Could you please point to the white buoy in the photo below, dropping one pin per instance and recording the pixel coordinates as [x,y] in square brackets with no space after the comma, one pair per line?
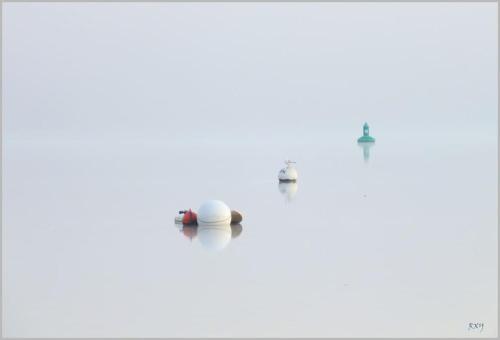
[178,218]
[288,174]
[214,237]
[214,212]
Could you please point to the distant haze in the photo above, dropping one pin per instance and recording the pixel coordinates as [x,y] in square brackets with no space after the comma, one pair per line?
[248,72]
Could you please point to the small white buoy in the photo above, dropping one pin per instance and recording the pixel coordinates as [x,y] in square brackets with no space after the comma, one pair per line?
[214,212]
[178,219]
[288,174]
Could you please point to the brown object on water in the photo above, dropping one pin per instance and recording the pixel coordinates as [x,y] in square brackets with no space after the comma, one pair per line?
[236,217]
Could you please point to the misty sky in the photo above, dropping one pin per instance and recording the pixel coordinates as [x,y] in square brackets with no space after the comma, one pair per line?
[248,71]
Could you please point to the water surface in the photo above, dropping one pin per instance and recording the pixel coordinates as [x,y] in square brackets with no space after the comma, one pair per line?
[400,243]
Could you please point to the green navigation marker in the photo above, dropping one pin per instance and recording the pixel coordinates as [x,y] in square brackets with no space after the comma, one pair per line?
[366,138]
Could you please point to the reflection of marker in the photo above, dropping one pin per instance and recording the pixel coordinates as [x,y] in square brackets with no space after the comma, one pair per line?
[366,149]
[366,138]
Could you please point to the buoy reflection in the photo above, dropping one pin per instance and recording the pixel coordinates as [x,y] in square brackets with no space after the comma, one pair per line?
[213,237]
[366,146]
[288,190]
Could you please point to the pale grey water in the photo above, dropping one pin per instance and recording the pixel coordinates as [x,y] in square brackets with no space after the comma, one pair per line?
[402,245]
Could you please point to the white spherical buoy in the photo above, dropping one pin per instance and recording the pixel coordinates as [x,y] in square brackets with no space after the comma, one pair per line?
[214,237]
[214,212]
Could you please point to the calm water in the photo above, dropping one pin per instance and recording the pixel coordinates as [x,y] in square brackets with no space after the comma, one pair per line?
[401,244]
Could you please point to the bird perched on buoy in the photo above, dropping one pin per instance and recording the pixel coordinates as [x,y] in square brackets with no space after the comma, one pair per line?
[210,212]
[288,174]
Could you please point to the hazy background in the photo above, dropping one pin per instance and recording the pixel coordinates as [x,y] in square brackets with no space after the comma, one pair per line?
[252,72]
[117,115]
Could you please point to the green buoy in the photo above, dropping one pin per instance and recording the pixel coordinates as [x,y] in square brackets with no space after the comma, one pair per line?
[366,138]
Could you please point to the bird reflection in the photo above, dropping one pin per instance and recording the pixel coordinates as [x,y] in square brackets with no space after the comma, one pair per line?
[366,150]
[288,189]
[214,237]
